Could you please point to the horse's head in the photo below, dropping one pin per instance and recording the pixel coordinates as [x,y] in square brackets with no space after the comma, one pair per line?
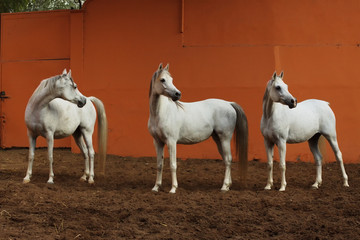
[66,89]
[162,84]
[278,91]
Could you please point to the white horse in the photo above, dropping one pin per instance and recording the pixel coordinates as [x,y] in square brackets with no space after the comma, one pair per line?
[57,109]
[284,121]
[172,122]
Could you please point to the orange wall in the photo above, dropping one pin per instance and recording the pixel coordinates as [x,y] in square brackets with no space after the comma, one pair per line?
[225,51]
[34,46]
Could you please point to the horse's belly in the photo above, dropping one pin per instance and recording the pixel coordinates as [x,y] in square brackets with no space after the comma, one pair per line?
[193,139]
[301,134]
[192,136]
[64,132]
[298,138]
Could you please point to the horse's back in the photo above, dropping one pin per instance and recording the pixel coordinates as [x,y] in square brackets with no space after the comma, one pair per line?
[210,108]
[318,108]
[217,112]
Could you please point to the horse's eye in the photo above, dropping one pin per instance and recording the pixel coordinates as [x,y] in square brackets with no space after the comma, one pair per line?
[162,80]
[278,88]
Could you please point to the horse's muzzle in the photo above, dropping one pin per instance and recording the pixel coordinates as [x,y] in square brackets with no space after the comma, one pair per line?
[82,102]
[293,103]
[176,96]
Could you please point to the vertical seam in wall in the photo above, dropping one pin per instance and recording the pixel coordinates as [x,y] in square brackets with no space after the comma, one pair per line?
[277,58]
[182,22]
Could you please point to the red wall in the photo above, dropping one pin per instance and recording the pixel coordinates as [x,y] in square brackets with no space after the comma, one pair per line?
[215,50]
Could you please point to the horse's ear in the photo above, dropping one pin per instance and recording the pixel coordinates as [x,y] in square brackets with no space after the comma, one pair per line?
[274,76]
[160,67]
[64,72]
[282,74]
[69,73]
[167,67]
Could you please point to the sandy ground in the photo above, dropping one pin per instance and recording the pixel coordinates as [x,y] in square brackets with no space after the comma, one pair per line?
[122,206]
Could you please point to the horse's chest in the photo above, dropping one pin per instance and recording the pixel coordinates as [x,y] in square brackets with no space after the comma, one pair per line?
[157,130]
[272,130]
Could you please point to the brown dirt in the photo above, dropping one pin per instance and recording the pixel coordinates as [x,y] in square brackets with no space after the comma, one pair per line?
[122,206]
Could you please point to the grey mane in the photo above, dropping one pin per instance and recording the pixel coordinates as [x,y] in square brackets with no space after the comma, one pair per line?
[47,83]
[152,79]
[267,102]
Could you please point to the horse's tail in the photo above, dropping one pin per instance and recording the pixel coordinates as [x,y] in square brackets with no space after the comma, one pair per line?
[241,139]
[102,132]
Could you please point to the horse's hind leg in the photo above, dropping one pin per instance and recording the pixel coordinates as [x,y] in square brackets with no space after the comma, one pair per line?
[159,147]
[224,148]
[335,147]
[81,144]
[32,144]
[314,147]
[87,135]
[218,144]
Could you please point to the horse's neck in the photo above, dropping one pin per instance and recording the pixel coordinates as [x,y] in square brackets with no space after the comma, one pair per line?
[41,99]
[270,107]
[273,110]
[160,106]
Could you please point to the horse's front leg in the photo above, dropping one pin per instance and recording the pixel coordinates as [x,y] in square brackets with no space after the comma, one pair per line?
[159,147]
[269,146]
[173,165]
[282,154]
[32,144]
[50,142]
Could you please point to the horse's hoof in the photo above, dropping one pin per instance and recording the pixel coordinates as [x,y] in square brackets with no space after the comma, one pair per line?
[225,189]
[282,189]
[315,186]
[173,191]
[155,188]
[25,181]
[346,185]
[83,179]
[91,182]
[50,182]
[268,187]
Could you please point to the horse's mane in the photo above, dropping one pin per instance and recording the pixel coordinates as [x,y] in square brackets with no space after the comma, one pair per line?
[267,102]
[152,79]
[46,83]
